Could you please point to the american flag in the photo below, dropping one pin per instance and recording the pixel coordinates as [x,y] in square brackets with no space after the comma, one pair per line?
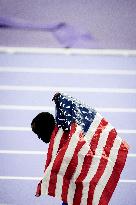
[85,156]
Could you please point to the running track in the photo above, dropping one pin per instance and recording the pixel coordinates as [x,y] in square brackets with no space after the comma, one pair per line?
[27,83]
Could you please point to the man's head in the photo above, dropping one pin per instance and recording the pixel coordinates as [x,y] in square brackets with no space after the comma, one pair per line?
[43,125]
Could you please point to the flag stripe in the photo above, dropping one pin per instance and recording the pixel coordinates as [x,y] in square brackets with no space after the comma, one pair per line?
[90,163]
[57,141]
[82,153]
[97,135]
[84,150]
[103,162]
[50,178]
[50,149]
[107,172]
[56,167]
[98,152]
[88,158]
[92,129]
[67,158]
[49,157]
[71,168]
[115,175]
[54,141]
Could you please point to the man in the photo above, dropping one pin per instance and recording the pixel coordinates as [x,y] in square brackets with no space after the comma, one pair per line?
[85,156]
[43,125]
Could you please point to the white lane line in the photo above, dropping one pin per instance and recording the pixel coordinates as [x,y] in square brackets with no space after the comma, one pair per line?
[20,178]
[52,108]
[23,152]
[108,109]
[26,107]
[28,152]
[127,181]
[131,155]
[70,51]
[40,178]
[67,71]
[67,89]
[13,128]
[125,131]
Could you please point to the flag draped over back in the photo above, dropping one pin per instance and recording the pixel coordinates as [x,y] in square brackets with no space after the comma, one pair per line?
[85,156]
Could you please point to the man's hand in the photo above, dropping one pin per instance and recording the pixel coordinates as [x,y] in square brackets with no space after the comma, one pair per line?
[55,97]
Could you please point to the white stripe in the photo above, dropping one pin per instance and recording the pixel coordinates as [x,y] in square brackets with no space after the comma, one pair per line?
[57,143]
[46,178]
[81,155]
[29,152]
[19,178]
[98,153]
[124,131]
[92,129]
[70,51]
[108,109]
[22,152]
[127,181]
[26,107]
[11,128]
[85,148]
[66,160]
[67,71]
[67,89]
[108,171]
[95,163]
[71,192]
[52,108]
[131,155]
[39,178]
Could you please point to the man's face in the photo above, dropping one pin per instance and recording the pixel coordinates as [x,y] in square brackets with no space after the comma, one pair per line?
[43,125]
[45,137]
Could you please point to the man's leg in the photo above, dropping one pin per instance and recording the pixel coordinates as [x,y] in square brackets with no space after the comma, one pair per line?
[64,203]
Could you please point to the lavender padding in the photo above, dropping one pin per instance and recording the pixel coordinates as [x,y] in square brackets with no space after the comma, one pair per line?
[111,23]
[66,34]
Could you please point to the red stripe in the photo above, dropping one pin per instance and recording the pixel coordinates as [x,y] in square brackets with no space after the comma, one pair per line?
[78,193]
[71,168]
[96,137]
[38,191]
[48,160]
[50,148]
[114,178]
[88,160]
[64,139]
[93,145]
[103,162]
[57,162]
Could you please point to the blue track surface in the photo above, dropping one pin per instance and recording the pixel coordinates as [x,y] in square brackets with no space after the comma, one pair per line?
[21,192]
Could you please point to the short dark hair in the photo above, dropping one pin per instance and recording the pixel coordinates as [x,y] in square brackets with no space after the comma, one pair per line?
[43,125]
